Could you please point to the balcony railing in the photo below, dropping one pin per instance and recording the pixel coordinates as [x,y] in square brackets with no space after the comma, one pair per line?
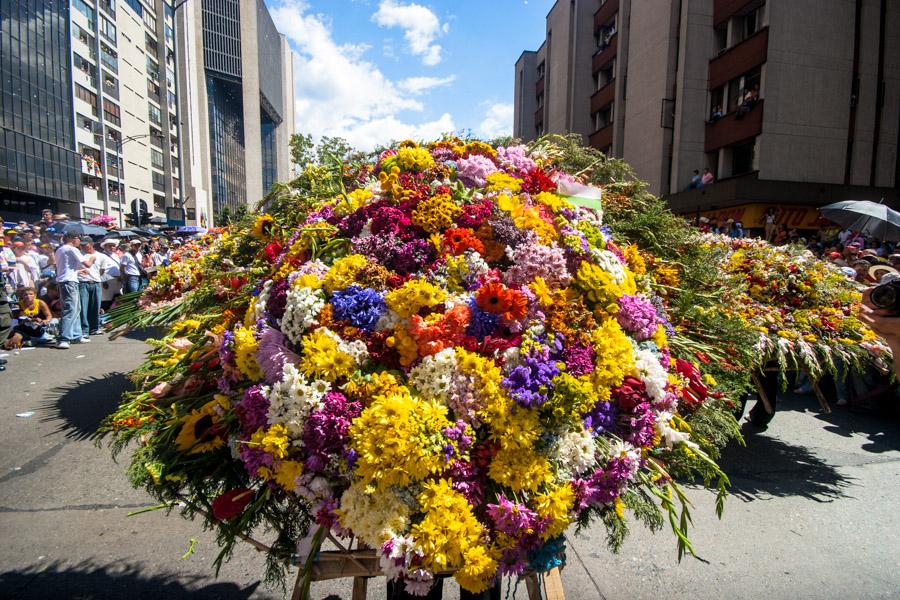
[603,96]
[730,130]
[604,13]
[602,138]
[606,54]
[739,59]
[725,9]
[539,87]
[539,116]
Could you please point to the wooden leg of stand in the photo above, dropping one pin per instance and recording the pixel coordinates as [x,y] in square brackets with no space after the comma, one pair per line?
[762,393]
[295,594]
[553,589]
[359,588]
[823,402]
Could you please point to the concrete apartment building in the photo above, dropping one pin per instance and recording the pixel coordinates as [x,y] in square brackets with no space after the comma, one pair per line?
[238,82]
[788,103]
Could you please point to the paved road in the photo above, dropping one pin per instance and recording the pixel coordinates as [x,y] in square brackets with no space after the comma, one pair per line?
[814,512]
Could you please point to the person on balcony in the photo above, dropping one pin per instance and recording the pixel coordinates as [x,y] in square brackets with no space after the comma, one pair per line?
[716,113]
[696,181]
[707,177]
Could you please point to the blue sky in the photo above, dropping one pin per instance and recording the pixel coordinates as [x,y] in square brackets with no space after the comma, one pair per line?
[376,70]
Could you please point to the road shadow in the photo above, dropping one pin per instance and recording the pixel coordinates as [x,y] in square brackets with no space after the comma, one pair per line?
[770,467]
[142,335]
[120,581]
[79,407]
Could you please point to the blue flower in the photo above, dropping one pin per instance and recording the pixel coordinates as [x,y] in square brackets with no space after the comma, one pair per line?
[362,307]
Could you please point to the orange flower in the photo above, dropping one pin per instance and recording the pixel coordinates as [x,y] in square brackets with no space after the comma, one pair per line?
[499,299]
[460,239]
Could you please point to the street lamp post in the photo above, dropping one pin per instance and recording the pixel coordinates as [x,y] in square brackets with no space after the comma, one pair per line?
[120,166]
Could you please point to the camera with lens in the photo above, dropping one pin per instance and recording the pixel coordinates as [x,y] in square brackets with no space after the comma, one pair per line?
[886,295]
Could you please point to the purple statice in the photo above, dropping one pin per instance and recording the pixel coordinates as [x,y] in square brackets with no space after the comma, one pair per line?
[253,409]
[579,359]
[638,425]
[473,170]
[326,429]
[481,323]
[505,231]
[277,300]
[601,418]
[511,518]
[414,254]
[533,260]
[515,159]
[467,482]
[637,315]
[607,483]
[273,354]
[527,382]
[352,224]
[361,307]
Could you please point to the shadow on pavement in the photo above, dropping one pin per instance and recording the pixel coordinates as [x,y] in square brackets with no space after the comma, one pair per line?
[80,406]
[143,334]
[89,581]
[770,467]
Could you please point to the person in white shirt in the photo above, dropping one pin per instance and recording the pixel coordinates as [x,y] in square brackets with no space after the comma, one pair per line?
[24,258]
[89,289]
[110,280]
[69,261]
[131,269]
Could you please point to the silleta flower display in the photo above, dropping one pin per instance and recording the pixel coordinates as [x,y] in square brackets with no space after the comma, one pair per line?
[434,353]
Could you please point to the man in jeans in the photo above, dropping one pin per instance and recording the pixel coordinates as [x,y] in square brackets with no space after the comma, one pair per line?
[130,267]
[89,289]
[69,261]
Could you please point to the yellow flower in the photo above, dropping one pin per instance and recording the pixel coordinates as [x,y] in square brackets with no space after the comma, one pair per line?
[449,529]
[273,440]
[501,181]
[245,346]
[413,296]
[344,271]
[635,261]
[520,469]
[405,345]
[414,159]
[286,474]
[262,227]
[202,429]
[322,358]
[436,213]
[554,202]
[480,565]
[308,280]
[542,291]
[353,202]
[615,357]
[556,505]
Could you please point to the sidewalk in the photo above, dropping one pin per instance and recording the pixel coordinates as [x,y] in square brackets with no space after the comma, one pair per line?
[814,511]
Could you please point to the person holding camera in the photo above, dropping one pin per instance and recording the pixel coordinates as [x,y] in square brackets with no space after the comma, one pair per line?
[881,312]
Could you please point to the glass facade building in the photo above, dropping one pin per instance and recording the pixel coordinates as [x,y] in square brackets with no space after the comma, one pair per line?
[38,165]
[226,133]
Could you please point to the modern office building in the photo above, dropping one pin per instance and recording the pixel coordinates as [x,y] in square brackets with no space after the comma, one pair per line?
[791,103]
[38,164]
[238,83]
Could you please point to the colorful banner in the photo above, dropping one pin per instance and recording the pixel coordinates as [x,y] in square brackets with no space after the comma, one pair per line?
[753,216]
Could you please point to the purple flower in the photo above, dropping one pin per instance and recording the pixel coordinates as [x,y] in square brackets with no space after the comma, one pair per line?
[273,354]
[515,158]
[527,383]
[277,300]
[473,170]
[326,429]
[511,518]
[254,458]
[607,483]
[532,260]
[601,418]
[481,323]
[362,307]
[637,315]
[253,409]
[579,359]
[639,425]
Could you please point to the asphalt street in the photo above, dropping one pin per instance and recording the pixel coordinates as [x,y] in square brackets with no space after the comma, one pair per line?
[814,511]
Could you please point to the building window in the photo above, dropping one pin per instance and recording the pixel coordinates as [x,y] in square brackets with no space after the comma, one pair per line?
[156,158]
[153,90]
[83,36]
[109,6]
[111,112]
[747,25]
[604,117]
[136,6]
[540,70]
[152,69]
[113,165]
[88,96]
[159,182]
[149,21]
[156,137]
[742,157]
[109,57]
[86,10]
[108,29]
[605,33]
[539,100]
[739,87]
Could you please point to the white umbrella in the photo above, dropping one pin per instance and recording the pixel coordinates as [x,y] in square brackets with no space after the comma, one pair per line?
[869,218]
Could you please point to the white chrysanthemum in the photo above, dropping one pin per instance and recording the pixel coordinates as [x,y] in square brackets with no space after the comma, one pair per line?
[301,309]
[609,262]
[388,320]
[356,349]
[375,517]
[397,554]
[575,452]
[652,374]
[293,398]
[258,306]
[670,436]
[434,375]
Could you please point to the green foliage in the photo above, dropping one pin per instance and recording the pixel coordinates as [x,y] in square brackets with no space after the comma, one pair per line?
[302,149]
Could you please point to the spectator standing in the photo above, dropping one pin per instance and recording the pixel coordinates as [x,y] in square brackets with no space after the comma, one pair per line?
[110,281]
[46,219]
[707,177]
[69,261]
[24,258]
[89,289]
[131,269]
[770,218]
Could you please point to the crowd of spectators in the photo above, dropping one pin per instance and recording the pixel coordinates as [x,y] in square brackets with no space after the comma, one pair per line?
[56,287]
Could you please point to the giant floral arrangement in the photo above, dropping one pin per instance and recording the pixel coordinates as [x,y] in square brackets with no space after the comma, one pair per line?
[435,353]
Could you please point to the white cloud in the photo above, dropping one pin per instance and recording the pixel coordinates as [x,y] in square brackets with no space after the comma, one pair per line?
[498,120]
[417,85]
[340,93]
[421,27]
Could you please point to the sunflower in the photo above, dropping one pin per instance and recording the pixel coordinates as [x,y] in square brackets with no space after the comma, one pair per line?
[202,430]
[262,228]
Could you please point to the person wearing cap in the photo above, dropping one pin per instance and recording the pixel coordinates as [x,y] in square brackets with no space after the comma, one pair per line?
[131,269]
[89,288]
[110,283]
[69,261]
